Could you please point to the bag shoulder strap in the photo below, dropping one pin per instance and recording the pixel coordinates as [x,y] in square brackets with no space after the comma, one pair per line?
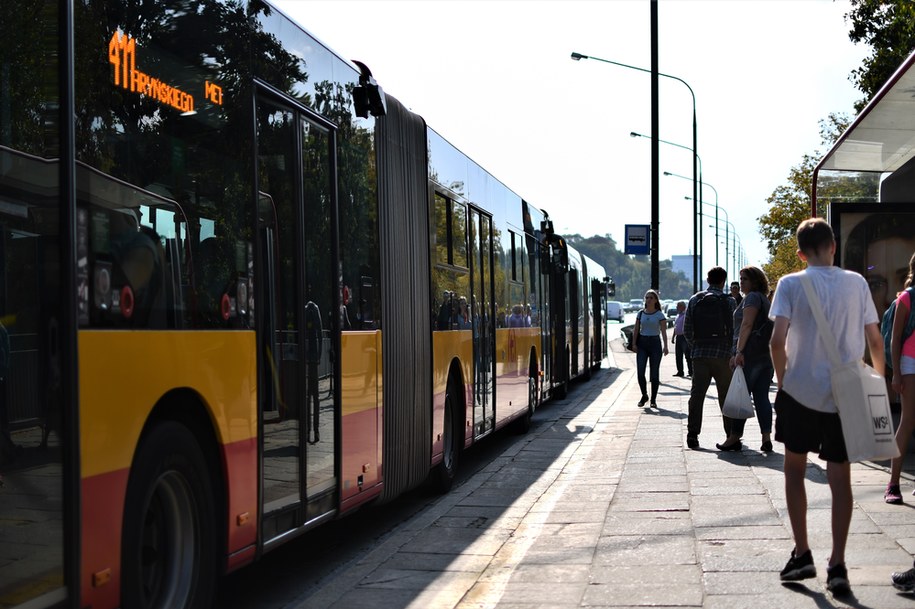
[829,339]
[909,326]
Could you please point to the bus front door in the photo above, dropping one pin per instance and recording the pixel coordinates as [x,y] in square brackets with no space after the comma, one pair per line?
[297,328]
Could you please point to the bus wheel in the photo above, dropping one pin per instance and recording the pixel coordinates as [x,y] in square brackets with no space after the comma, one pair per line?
[452,439]
[168,552]
[524,422]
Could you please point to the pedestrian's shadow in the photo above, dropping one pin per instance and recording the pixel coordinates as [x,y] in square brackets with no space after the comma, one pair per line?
[663,412]
[847,599]
[678,389]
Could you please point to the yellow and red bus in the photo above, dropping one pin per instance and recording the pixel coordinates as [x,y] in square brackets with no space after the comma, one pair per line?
[244,292]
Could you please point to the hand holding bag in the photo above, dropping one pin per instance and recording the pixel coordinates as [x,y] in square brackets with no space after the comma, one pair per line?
[737,403]
[860,396]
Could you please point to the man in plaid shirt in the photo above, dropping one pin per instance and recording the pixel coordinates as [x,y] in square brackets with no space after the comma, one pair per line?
[710,358]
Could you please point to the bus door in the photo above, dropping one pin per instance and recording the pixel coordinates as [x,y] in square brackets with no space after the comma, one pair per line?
[598,313]
[575,316]
[556,265]
[483,312]
[297,328]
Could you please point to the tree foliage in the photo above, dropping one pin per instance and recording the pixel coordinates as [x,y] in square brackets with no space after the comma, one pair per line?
[889,29]
[789,204]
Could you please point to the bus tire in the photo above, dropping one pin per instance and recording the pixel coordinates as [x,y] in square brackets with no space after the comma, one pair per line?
[524,421]
[169,551]
[452,438]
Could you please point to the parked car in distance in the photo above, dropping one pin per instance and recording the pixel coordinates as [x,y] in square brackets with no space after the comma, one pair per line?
[615,310]
[634,305]
[671,310]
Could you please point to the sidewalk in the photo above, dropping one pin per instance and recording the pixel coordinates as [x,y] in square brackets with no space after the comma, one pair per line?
[601,505]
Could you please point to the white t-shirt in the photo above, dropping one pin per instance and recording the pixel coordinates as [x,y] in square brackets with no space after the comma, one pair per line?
[650,323]
[847,306]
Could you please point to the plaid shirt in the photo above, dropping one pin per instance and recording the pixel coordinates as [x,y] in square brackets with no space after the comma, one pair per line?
[718,350]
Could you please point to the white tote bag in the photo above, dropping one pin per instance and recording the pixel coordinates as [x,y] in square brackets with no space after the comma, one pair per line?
[868,431]
[860,396]
[737,403]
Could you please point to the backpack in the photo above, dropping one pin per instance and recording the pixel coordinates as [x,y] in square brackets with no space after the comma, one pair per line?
[712,318]
[886,325]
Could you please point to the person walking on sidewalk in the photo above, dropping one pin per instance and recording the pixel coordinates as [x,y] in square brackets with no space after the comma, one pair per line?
[680,347]
[751,352]
[735,292]
[650,328]
[902,352]
[708,329]
[806,416]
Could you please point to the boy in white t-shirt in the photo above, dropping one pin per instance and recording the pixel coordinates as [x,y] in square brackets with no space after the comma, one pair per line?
[806,415]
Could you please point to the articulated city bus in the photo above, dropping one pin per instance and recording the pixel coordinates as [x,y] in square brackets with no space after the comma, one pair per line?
[244,292]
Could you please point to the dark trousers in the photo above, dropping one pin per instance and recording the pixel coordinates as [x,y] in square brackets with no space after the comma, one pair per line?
[704,370]
[682,352]
[650,352]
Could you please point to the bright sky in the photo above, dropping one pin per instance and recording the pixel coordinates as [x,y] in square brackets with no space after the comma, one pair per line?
[495,78]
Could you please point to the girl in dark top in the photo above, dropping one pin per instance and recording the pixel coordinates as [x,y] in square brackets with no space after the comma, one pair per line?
[650,328]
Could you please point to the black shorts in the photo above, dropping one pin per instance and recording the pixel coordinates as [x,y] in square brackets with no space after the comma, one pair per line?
[803,430]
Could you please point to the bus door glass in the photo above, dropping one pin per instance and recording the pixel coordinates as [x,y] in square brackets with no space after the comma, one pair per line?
[297,383]
[38,446]
[483,319]
[575,319]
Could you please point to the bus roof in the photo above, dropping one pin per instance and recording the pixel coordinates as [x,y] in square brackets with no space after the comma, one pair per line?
[882,137]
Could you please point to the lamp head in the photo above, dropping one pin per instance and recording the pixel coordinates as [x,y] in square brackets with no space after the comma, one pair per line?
[634,134]
[578,56]
[667,173]
[368,96]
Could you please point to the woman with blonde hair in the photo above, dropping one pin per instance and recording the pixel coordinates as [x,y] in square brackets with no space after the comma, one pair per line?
[650,328]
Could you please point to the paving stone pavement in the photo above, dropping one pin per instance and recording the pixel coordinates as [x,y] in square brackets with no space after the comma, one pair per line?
[601,505]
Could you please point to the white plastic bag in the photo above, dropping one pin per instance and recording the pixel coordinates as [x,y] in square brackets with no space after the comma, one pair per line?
[737,403]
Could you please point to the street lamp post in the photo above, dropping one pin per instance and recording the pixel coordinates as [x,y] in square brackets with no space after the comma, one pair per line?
[697,196]
[696,222]
[728,251]
[667,173]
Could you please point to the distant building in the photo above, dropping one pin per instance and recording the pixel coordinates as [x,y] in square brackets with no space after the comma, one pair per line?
[683,263]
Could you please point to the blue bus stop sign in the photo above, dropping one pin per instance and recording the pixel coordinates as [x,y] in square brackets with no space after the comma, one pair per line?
[638,240]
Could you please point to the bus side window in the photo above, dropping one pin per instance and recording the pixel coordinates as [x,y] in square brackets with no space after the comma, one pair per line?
[211,279]
[139,264]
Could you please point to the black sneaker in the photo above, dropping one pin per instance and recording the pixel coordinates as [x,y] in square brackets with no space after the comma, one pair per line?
[799,567]
[643,401]
[837,579]
[904,580]
[692,442]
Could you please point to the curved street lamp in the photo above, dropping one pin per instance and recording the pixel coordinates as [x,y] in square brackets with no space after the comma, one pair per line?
[696,184]
[667,173]
[736,254]
[697,218]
